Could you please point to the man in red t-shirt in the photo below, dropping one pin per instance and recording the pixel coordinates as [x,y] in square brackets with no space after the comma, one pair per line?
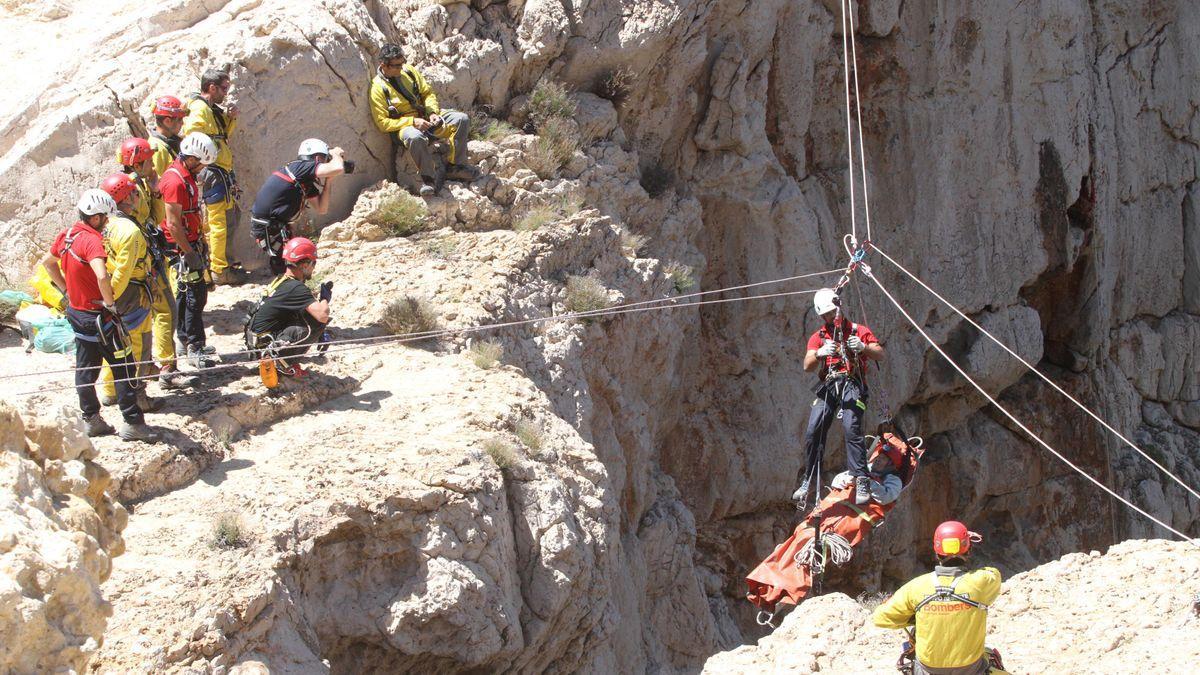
[76,263]
[838,352]
[183,227]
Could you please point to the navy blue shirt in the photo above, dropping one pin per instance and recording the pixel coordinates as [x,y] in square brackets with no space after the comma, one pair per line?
[282,196]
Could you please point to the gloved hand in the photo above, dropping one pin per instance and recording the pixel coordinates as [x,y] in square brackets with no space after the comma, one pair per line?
[193,260]
[326,292]
[827,349]
[856,344]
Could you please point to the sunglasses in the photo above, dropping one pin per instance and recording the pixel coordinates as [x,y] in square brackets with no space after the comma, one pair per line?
[394,65]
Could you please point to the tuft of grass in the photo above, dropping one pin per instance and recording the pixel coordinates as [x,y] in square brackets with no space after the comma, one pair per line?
[486,354]
[871,600]
[501,451]
[614,85]
[439,247]
[314,282]
[681,275]
[490,129]
[556,143]
[546,213]
[410,315]
[632,244]
[228,532]
[586,294]
[655,179]
[548,101]
[529,432]
[401,215]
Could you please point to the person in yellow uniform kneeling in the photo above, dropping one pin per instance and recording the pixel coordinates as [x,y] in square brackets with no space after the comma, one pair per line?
[949,606]
[131,270]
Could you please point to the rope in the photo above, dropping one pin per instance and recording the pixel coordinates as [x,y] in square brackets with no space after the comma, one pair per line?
[427,335]
[862,153]
[834,549]
[1018,422]
[1039,373]
[591,313]
[849,130]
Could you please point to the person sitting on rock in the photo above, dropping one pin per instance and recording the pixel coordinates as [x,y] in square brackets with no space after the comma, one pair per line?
[949,606]
[883,471]
[288,320]
[405,106]
[838,352]
[297,185]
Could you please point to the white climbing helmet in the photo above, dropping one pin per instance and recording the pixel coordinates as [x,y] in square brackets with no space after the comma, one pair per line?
[826,300]
[200,146]
[96,201]
[313,146]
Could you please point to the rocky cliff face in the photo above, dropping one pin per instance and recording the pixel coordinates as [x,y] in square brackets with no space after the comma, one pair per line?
[1035,163]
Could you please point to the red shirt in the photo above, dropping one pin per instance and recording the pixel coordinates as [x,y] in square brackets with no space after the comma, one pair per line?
[83,289]
[178,186]
[835,363]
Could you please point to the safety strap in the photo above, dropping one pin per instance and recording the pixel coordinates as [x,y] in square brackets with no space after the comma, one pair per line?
[947,594]
[218,115]
[875,522]
[67,243]
[190,188]
[411,97]
[172,144]
[286,175]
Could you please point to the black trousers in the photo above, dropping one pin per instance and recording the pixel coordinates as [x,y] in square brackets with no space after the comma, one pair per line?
[92,348]
[848,396]
[300,337]
[271,235]
[190,300]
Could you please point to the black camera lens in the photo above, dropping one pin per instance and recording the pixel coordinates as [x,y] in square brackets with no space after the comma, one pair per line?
[349,164]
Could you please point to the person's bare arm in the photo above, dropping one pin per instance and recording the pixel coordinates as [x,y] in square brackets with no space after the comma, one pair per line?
[810,361]
[55,272]
[874,351]
[175,226]
[319,310]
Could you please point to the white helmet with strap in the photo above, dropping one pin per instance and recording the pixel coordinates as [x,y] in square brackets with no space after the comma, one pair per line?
[826,300]
[313,146]
[96,201]
[200,146]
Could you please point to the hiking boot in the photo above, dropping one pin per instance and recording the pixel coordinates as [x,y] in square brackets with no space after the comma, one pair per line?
[231,276]
[107,399]
[137,432]
[145,403]
[464,173]
[801,493]
[198,357]
[427,188]
[169,378]
[862,490]
[96,426]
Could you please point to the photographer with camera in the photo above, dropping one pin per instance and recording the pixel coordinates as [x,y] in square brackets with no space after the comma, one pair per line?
[297,185]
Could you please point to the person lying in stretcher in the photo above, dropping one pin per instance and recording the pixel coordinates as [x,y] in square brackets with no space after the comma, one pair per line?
[883,472]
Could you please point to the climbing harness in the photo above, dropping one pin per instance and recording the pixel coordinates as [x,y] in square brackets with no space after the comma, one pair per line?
[943,593]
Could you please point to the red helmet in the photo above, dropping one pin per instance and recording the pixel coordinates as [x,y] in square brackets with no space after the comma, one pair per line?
[299,248]
[168,106]
[952,538]
[889,445]
[118,186]
[134,151]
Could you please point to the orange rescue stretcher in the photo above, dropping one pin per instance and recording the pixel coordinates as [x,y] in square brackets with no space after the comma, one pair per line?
[786,576]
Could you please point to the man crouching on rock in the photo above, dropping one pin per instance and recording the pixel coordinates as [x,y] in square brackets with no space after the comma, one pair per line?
[405,106]
[288,320]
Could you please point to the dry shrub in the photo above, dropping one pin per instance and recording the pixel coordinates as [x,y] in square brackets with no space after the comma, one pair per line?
[549,101]
[490,129]
[410,315]
[585,294]
[501,451]
[632,244]
[529,432]
[557,141]
[486,354]
[614,85]
[655,179]
[550,212]
[228,532]
[402,215]
[680,275]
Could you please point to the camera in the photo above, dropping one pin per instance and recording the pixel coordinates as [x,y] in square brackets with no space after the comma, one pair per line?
[349,164]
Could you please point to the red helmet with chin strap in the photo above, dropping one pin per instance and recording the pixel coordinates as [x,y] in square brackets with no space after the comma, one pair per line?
[952,538]
[134,151]
[297,249]
[168,106]
[118,186]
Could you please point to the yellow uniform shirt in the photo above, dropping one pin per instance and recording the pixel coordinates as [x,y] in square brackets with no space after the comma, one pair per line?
[950,633]
[141,214]
[128,254]
[200,118]
[384,94]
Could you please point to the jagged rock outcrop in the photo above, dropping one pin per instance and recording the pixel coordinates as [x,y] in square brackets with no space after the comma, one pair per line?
[1035,163]
[60,529]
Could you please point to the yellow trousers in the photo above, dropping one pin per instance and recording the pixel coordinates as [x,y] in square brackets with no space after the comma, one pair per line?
[140,337]
[217,216]
[162,320]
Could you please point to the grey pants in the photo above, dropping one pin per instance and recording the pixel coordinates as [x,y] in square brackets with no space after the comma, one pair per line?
[455,131]
[980,667]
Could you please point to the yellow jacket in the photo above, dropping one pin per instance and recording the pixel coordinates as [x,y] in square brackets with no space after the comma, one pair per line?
[128,254]
[200,118]
[383,94]
[950,633]
[161,159]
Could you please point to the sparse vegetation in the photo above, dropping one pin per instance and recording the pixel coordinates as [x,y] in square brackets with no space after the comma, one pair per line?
[486,354]
[655,179]
[614,85]
[680,275]
[870,600]
[586,294]
[314,282]
[549,212]
[632,244]
[490,129]
[228,532]
[549,101]
[410,315]
[529,432]
[402,215]
[439,247]
[557,141]
[501,451]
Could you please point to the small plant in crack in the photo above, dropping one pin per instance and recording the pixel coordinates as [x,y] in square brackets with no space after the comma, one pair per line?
[586,294]
[529,432]
[681,276]
[228,531]
[486,353]
[501,451]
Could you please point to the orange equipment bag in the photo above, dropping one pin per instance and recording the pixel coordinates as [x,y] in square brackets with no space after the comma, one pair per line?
[786,575]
